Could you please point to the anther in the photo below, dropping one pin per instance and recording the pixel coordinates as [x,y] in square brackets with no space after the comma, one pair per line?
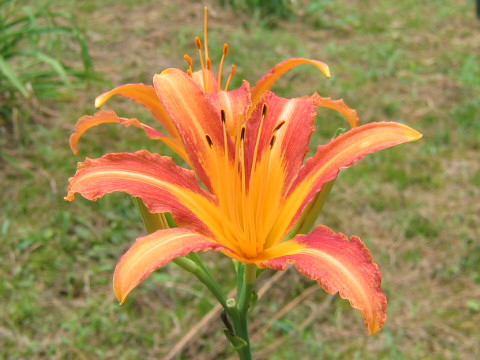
[209,140]
[219,79]
[242,133]
[209,63]
[222,116]
[279,125]
[188,59]
[199,46]
[272,141]
[264,109]
[189,72]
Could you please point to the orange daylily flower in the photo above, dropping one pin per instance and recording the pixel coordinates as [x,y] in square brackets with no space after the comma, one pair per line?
[247,148]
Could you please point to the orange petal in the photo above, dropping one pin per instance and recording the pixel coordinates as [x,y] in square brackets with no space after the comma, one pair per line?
[197,120]
[157,180]
[107,116]
[324,166]
[341,107]
[197,76]
[278,70]
[150,252]
[339,265]
[291,121]
[235,103]
[146,96]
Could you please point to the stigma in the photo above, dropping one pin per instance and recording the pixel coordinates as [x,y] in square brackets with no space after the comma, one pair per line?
[204,76]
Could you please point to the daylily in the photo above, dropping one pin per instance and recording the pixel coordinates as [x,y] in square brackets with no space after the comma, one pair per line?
[249,184]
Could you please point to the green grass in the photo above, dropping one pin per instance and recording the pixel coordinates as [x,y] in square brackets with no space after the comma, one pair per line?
[415,206]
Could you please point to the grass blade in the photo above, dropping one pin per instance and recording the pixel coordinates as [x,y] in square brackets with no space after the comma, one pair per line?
[8,72]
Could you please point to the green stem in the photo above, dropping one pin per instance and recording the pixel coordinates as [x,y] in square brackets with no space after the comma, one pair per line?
[244,298]
[246,276]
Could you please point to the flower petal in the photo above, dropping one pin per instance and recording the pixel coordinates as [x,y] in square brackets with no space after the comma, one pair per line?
[341,107]
[197,120]
[291,123]
[339,265]
[157,180]
[235,103]
[146,96]
[324,166]
[107,116]
[278,70]
[210,77]
[150,252]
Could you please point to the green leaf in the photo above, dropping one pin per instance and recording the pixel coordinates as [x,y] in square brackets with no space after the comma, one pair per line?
[8,72]
[54,63]
[236,341]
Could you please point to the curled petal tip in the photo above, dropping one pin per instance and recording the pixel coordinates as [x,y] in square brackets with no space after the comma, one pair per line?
[326,71]
[99,101]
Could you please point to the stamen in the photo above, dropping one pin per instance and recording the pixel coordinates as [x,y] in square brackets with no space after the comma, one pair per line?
[264,110]
[225,51]
[205,20]
[272,141]
[198,43]
[230,191]
[236,175]
[222,116]
[189,61]
[209,140]
[189,72]
[245,219]
[232,73]
[252,193]
[278,126]
[209,67]
[263,173]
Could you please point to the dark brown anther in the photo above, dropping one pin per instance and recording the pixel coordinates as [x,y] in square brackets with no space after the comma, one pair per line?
[264,109]
[242,134]
[272,141]
[279,125]
[209,140]
[222,116]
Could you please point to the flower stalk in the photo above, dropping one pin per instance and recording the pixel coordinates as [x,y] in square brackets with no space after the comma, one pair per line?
[235,309]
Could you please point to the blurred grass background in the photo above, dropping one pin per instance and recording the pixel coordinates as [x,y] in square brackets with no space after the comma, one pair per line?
[415,206]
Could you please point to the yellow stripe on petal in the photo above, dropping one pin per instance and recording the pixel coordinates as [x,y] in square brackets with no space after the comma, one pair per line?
[107,116]
[324,166]
[146,96]
[198,122]
[162,185]
[338,265]
[278,70]
[150,252]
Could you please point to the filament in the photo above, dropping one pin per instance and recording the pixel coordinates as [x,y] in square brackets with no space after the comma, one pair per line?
[232,73]
[224,54]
